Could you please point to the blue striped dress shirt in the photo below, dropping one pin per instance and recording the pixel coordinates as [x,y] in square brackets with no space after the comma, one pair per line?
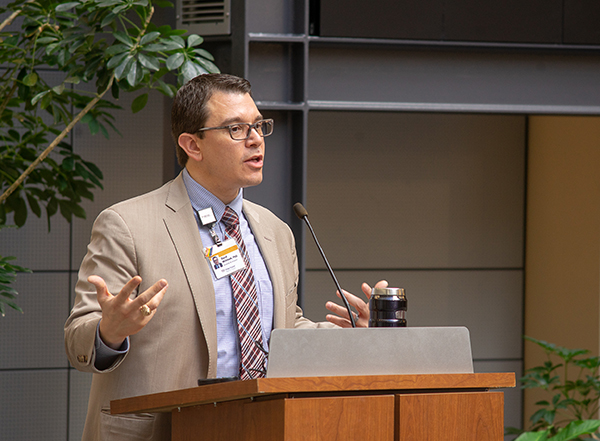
[228,346]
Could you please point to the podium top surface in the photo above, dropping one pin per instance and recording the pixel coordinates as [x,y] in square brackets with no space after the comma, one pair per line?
[234,390]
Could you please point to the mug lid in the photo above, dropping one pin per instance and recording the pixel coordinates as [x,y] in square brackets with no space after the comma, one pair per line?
[388,292]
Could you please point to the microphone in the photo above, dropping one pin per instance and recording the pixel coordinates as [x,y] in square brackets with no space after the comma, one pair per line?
[303,215]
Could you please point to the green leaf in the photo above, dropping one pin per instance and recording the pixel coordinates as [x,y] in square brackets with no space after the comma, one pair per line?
[20,209]
[191,70]
[208,65]
[52,207]
[175,60]
[46,100]
[68,208]
[119,9]
[165,89]
[139,103]
[575,429]
[66,6]
[116,60]
[63,56]
[156,47]
[68,164]
[149,62]
[34,205]
[51,48]
[30,79]
[123,38]
[204,54]
[45,40]
[151,36]
[108,3]
[117,49]
[59,89]
[65,210]
[178,41]
[94,169]
[533,436]
[123,69]
[110,17]
[73,80]
[135,74]
[194,40]
[14,135]
[94,126]
[114,90]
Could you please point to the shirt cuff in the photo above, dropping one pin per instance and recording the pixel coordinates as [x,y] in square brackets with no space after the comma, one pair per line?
[106,356]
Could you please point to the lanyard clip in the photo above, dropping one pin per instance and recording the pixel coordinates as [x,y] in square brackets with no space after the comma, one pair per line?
[208,219]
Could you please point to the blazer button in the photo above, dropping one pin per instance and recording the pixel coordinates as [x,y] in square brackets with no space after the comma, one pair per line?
[82,358]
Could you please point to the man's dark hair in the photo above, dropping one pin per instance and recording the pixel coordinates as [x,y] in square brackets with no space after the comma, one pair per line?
[189,112]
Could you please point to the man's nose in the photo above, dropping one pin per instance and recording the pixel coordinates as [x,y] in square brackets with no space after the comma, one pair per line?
[254,137]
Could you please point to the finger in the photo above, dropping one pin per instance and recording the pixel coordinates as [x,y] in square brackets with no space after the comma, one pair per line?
[358,303]
[339,321]
[126,291]
[152,296]
[366,289]
[338,310]
[155,301]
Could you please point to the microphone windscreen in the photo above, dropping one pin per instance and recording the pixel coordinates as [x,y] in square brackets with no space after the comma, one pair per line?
[300,210]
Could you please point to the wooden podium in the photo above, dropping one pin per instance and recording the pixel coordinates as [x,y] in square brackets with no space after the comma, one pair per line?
[449,407]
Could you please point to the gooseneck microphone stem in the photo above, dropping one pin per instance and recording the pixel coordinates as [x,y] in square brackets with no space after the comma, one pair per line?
[303,215]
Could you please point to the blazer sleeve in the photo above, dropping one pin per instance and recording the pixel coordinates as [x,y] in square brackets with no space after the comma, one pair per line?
[110,255]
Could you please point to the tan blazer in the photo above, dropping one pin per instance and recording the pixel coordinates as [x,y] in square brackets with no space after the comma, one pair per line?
[156,236]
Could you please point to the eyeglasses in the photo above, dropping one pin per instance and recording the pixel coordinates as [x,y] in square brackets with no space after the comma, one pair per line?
[242,131]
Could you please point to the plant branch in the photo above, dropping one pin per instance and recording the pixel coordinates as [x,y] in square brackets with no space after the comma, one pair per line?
[10,18]
[56,141]
[8,97]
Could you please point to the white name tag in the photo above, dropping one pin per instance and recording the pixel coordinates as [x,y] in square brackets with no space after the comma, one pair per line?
[207,216]
[224,259]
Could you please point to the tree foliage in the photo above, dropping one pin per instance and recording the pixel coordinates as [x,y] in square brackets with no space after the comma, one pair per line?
[573,404]
[91,48]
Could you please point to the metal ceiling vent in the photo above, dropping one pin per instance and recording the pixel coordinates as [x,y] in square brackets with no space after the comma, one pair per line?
[204,17]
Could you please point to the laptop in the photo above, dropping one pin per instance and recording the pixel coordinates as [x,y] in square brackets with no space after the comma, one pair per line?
[369,351]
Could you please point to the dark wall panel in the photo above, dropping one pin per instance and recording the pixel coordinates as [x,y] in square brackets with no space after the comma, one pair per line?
[581,24]
[382,19]
[516,21]
[511,21]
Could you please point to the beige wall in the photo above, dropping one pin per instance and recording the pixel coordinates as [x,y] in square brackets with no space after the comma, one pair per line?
[562,266]
[434,203]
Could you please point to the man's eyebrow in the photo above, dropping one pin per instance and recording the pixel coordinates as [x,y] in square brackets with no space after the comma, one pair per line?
[236,120]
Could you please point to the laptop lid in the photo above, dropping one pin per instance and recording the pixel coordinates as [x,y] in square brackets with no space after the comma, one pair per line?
[369,351]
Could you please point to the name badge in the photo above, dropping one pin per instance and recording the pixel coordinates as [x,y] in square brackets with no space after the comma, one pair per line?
[224,259]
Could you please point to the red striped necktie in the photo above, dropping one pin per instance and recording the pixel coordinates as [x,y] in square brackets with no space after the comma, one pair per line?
[252,357]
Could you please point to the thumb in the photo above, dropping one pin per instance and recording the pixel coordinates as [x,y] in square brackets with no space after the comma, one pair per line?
[381,284]
[100,284]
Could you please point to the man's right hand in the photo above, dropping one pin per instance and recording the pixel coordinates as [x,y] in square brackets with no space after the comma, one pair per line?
[122,316]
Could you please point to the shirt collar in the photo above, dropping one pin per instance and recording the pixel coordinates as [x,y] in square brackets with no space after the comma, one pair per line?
[201,198]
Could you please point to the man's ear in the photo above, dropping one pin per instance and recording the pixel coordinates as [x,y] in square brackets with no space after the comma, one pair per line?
[189,143]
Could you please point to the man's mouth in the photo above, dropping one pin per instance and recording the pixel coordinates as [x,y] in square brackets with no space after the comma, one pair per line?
[255,159]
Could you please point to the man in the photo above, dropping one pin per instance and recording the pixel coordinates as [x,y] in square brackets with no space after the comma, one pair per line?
[214,322]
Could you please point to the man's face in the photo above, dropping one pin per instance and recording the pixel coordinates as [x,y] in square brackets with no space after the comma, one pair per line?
[227,165]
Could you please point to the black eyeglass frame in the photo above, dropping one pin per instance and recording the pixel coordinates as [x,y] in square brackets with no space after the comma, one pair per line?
[250,127]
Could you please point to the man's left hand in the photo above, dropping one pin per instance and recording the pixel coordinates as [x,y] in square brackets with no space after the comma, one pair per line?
[341,317]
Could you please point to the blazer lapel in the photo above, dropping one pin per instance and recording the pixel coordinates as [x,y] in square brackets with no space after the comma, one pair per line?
[183,229]
[266,242]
